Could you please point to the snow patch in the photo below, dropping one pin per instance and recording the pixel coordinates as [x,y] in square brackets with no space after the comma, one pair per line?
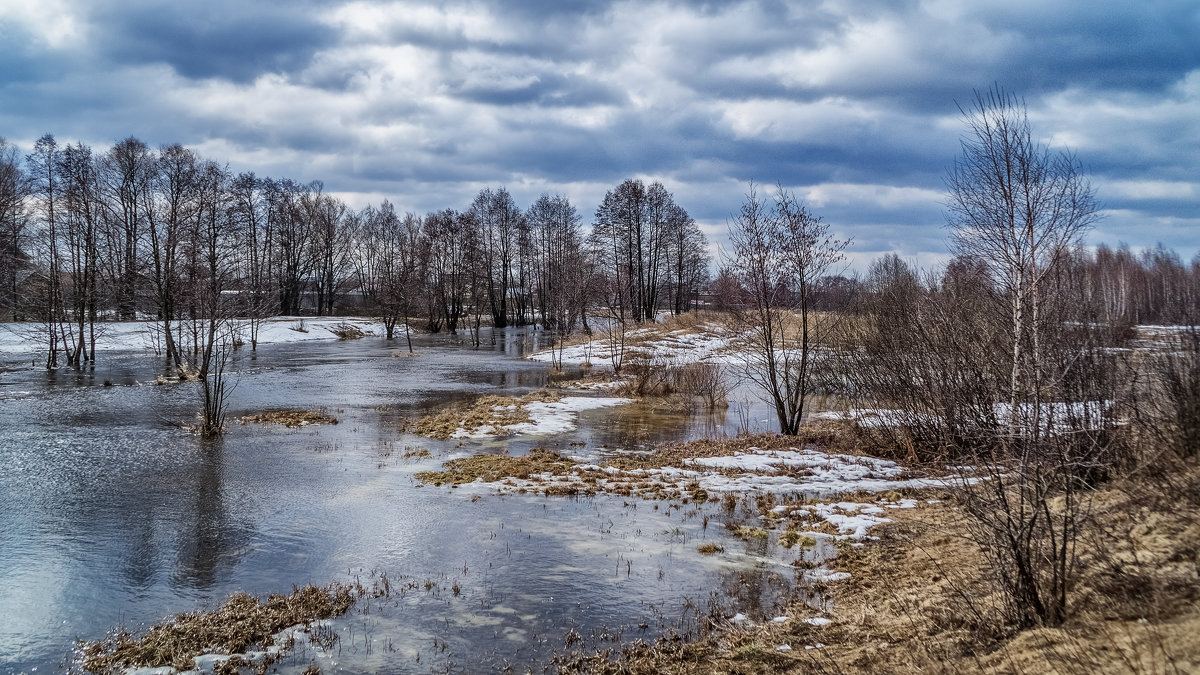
[546,418]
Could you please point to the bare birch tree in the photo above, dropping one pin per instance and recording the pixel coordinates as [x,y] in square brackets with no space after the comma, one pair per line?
[1019,207]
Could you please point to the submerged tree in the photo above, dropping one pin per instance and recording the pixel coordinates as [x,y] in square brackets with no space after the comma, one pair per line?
[214,241]
[388,262]
[43,165]
[83,215]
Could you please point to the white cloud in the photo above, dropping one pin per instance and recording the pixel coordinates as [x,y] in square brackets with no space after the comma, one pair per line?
[53,22]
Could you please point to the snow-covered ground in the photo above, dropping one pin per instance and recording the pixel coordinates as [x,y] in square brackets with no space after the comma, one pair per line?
[1057,416]
[852,519]
[797,476]
[301,636]
[780,472]
[680,346]
[25,338]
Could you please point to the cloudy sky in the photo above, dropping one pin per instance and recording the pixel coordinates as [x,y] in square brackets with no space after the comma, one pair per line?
[851,103]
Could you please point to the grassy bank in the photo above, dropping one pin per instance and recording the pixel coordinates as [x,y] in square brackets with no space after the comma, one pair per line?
[243,623]
[922,599]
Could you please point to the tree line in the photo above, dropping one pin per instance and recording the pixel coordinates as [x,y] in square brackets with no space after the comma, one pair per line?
[134,232]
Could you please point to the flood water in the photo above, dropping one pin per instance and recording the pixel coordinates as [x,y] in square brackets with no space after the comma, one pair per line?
[114,515]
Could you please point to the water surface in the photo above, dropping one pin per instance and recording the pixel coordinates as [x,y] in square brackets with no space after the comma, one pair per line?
[113,514]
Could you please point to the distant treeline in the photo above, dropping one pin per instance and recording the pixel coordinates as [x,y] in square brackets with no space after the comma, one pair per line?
[1117,285]
[134,232]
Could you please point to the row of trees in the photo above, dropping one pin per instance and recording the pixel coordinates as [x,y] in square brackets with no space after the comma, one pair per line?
[133,232]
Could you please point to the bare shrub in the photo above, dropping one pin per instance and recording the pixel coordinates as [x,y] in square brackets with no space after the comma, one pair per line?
[701,379]
[649,374]
[1172,415]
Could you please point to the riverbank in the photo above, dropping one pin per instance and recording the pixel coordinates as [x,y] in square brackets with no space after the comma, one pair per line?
[919,598]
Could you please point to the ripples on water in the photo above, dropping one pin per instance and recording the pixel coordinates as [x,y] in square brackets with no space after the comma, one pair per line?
[112,515]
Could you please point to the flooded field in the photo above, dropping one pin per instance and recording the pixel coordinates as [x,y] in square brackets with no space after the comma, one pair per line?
[114,515]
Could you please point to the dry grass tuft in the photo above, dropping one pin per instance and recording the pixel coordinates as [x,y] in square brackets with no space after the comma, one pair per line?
[347,331]
[710,548]
[292,418]
[791,537]
[830,435]
[487,411]
[497,467]
[241,623]
[747,532]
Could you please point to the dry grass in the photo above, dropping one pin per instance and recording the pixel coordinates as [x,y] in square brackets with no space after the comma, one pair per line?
[241,623]
[291,418]
[746,531]
[548,473]
[791,538]
[710,548]
[497,467]
[487,411]
[830,435]
[347,331]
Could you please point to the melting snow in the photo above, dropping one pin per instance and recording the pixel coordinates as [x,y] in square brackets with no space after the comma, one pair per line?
[19,338]
[680,346]
[547,418]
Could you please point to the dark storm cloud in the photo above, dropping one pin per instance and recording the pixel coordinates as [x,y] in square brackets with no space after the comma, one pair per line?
[229,39]
[545,89]
[1132,46]
[20,61]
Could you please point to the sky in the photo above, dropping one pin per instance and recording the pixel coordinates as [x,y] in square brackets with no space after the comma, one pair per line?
[851,104]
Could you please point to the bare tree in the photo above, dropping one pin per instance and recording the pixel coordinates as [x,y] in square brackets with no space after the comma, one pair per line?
[170,205]
[1018,207]
[330,244]
[128,170]
[499,221]
[83,213]
[214,243]
[14,221]
[450,238]
[688,258]
[631,237]
[252,213]
[293,241]
[43,164]
[1005,362]
[780,252]
[388,260]
[559,267]
[557,258]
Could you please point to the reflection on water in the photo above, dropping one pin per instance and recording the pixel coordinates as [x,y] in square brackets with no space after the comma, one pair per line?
[112,514]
